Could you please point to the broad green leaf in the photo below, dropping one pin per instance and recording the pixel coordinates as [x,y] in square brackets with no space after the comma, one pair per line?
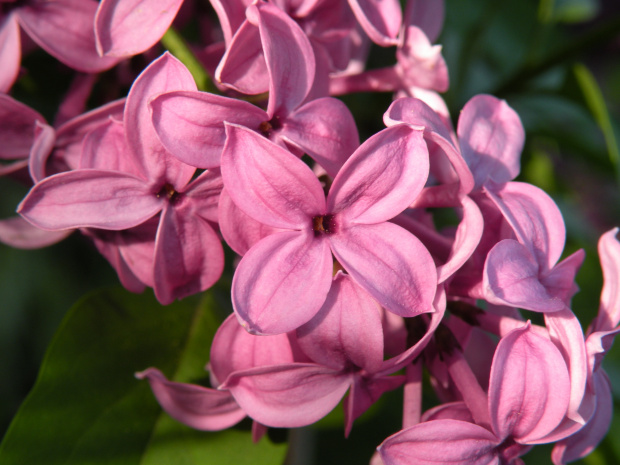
[87,408]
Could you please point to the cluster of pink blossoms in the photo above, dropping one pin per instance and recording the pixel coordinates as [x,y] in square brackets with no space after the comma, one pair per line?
[345,283]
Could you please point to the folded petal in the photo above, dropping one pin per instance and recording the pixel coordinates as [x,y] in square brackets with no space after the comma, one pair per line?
[380,19]
[391,264]
[441,442]
[129,27]
[89,199]
[188,255]
[491,137]
[64,29]
[288,396]
[268,183]
[42,147]
[195,406]
[324,129]
[529,386]
[609,311]
[286,267]
[511,277]
[190,125]
[10,52]
[382,178]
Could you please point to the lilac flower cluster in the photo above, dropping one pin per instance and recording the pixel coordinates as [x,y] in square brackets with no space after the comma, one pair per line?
[345,284]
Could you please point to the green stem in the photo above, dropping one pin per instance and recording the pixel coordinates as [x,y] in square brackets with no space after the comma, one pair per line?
[176,45]
[587,41]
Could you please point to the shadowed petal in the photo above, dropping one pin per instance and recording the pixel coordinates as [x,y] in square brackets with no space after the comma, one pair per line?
[380,19]
[609,253]
[17,128]
[391,264]
[20,234]
[286,267]
[89,198]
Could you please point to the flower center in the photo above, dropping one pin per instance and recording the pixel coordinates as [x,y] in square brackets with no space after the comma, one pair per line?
[266,128]
[168,191]
[324,224]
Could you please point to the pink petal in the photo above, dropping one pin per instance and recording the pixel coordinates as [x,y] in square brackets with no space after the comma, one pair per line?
[239,230]
[268,183]
[609,311]
[560,280]
[529,386]
[195,406]
[64,28]
[129,27]
[491,137]
[428,15]
[231,16]
[163,75]
[190,125]
[17,232]
[324,129]
[89,199]
[348,315]
[288,396]
[288,266]
[382,177]
[380,19]
[42,147]
[511,277]
[391,264]
[441,442]
[421,64]
[188,255]
[10,52]
[17,128]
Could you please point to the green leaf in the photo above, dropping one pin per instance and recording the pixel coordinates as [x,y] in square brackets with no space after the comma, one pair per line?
[87,408]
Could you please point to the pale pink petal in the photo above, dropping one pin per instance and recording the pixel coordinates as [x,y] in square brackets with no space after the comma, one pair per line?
[89,198]
[64,29]
[288,396]
[511,277]
[428,15]
[348,316]
[441,442]
[17,232]
[421,64]
[391,264]
[382,178]
[529,386]
[324,129]
[188,255]
[163,75]
[560,280]
[609,253]
[491,137]
[239,230]
[268,183]
[289,266]
[195,406]
[10,52]
[129,27]
[234,349]
[190,125]
[380,19]
[17,128]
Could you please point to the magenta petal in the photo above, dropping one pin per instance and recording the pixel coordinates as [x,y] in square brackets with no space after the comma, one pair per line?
[382,178]
[64,28]
[441,442]
[17,128]
[231,16]
[391,264]
[529,386]
[491,137]
[188,255]
[129,27]
[288,54]
[380,19]
[511,277]
[10,52]
[89,199]
[268,183]
[288,396]
[348,316]
[325,129]
[196,406]
[289,266]
[42,147]
[190,125]
[20,234]
[163,75]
